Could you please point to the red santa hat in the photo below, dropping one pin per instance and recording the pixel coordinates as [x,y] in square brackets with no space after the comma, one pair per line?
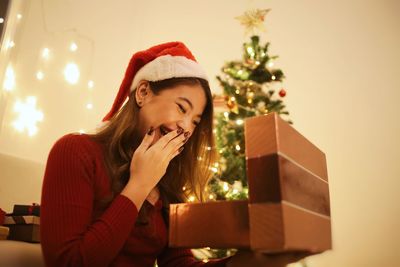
[160,62]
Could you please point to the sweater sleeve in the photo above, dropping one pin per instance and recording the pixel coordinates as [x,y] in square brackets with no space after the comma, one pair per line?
[172,257]
[68,235]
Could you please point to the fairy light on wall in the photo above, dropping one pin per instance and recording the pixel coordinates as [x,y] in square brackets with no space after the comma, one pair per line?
[73,47]
[39,75]
[90,84]
[28,116]
[71,73]
[89,106]
[19,16]
[45,53]
[9,80]
[1,20]
[191,198]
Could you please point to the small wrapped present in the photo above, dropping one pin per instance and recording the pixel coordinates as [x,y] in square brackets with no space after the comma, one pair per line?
[4,232]
[23,228]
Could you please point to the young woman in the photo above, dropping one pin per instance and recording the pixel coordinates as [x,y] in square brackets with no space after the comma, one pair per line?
[105,196]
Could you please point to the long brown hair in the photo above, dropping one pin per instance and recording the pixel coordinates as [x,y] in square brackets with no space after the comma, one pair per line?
[187,174]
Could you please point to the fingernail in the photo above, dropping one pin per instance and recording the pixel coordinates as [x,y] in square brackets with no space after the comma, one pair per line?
[186,134]
[181,148]
[151,130]
[180,130]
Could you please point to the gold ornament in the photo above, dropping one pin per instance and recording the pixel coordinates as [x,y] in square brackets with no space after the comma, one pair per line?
[253,20]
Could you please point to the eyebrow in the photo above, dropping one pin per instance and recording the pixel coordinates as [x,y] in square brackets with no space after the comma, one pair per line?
[188,102]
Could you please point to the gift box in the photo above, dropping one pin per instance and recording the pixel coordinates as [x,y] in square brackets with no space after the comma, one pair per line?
[288,207]
[23,228]
[4,232]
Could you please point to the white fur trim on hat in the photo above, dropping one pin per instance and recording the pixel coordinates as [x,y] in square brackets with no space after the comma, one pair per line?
[166,67]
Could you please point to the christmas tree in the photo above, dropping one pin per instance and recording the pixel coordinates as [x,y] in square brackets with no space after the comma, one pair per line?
[249,87]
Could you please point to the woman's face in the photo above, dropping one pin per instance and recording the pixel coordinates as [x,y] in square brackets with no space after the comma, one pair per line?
[179,106]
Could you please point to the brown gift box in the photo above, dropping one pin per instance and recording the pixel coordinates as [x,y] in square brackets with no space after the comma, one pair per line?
[288,207]
[23,228]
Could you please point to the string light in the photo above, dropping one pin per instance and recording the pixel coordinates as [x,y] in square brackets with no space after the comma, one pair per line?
[191,198]
[211,196]
[205,260]
[208,148]
[273,77]
[184,188]
[89,106]
[19,16]
[239,122]
[226,114]
[1,20]
[237,147]
[10,44]
[39,75]
[90,84]
[225,186]
[271,64]
[45,53]
[73,47]
[9,81]
[71,73]
[214,169]
[81,131]
[235,191]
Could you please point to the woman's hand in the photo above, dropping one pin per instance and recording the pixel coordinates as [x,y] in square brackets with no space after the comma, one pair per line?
[258,259]
[149,163]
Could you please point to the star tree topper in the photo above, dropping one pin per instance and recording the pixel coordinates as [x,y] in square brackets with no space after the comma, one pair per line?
[253,20]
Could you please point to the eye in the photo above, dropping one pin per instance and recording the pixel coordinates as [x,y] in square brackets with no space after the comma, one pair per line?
[181,108]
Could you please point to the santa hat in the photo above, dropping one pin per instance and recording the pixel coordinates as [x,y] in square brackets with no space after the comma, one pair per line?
[160,62]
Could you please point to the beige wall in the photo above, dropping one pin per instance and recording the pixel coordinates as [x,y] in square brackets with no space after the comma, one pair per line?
[342,63]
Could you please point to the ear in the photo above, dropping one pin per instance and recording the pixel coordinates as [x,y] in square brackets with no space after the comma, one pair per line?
[143,93]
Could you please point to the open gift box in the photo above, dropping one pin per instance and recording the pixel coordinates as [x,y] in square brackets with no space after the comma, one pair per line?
[288,207]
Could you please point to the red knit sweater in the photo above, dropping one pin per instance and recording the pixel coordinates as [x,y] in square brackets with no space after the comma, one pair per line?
[76,231]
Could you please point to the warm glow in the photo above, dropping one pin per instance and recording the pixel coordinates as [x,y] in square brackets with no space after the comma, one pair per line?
[273,77]
[191,198]
[39,75]
[271,64]
[89,106]
[28,116]
[225,187]
[73,47]
[45,53]
[9,80]
[237,147]
[81,131]
[211,196]
[19,16]
[71,73]
[90,84]
[226,114]
[214,169]
[1,20]
[235,191]
[239,122]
